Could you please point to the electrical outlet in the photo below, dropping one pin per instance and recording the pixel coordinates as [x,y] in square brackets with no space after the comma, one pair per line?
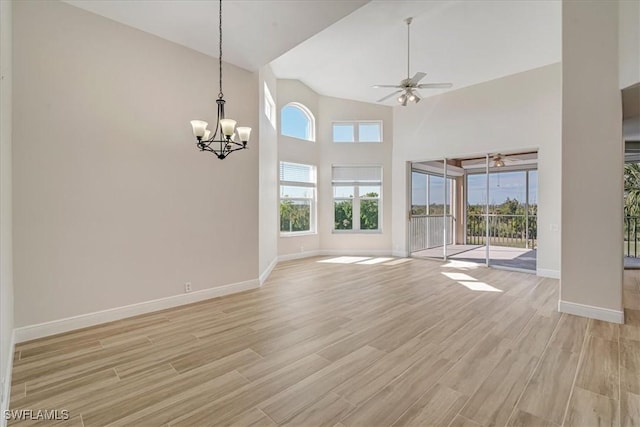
[301,248]
[187,287]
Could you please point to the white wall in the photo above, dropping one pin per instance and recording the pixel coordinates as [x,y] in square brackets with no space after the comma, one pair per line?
[6,252]
[323,153]
[268,194]
[592,162]
[335,109]
[113,203]
[629,42]
[521,111]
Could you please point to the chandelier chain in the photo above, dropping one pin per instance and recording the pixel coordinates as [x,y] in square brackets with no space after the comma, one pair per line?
[220,95]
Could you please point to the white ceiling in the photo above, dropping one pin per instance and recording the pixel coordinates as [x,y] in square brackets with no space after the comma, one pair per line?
[342,47]
[462,42]
[254,31]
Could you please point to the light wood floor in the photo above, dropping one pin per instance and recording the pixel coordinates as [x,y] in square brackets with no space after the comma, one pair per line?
[398,342]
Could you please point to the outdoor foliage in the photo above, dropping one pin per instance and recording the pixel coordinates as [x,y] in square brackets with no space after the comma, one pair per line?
[632,189]
[369,213]
[507,222]
[631,208]
[343,213]
[294,216]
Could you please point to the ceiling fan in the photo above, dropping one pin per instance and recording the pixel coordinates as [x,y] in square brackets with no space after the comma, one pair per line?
[499,160]
[408,87]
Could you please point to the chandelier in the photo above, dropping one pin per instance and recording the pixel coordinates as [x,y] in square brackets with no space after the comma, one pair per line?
[221,141]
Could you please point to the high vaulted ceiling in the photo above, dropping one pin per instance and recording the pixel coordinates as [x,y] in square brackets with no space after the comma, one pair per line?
[254,31]
[462,42]
[342,47]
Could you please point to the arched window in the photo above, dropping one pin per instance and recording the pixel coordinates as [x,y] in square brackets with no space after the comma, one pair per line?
[297,121]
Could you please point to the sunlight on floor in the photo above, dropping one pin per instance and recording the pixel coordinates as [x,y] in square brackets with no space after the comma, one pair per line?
[458,276]
[398,261]
[470,282]
[375,261]
[462,265]
[363,260]
[345,259]
[479,286]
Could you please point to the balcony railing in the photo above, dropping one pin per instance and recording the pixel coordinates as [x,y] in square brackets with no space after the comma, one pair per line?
[427,231]
[631,236]
[518,231]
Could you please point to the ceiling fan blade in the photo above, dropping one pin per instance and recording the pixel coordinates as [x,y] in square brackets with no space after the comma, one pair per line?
[435,86]
[389,96]
[415,79]
[379,86]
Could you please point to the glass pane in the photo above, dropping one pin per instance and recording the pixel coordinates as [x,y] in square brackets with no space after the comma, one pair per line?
[368,214]
[507,203]
[343,214]
[418,193]
[436,195]
[295,123]
[340,191]
[369,191]
[343,132]
[369,132]
[476,208]
[295,215]
[508,192]
[533,209]
[290,192]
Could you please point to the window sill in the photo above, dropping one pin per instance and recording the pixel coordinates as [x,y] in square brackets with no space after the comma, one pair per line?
[356,231]
[298,233]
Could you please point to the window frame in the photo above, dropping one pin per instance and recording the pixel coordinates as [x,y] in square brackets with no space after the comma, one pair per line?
[356,200]
[313,200]
[356,131]
[312,121]
[269,106]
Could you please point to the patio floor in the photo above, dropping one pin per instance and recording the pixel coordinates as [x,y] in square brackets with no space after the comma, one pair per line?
[504,256]
[631,263]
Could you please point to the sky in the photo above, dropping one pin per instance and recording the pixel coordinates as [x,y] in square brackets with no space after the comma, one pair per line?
[502,185]
[294,123]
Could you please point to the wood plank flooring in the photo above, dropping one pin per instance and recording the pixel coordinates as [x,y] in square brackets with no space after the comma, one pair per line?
[348,341]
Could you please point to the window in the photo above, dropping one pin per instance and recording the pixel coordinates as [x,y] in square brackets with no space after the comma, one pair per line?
[269,106]
[297,122]
[369,131]
[297,198]
[357,194]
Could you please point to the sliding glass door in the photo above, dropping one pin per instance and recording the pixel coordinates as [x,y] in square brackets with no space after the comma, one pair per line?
[481,210]
[431,224]
[502,217]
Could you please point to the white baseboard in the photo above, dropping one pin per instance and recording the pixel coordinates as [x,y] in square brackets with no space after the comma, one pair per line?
[31,332]
[298,255]
[551,274]
[400,254]
[356,252]
[265,274]
[336,252]
[6,391]
[606,314]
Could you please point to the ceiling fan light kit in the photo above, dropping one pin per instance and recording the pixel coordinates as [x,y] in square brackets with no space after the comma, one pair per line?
[408,87]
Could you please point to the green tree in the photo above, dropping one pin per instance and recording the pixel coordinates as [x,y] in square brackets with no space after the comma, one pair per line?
[343,215]
[369,212]
[294,216]
[632,189]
